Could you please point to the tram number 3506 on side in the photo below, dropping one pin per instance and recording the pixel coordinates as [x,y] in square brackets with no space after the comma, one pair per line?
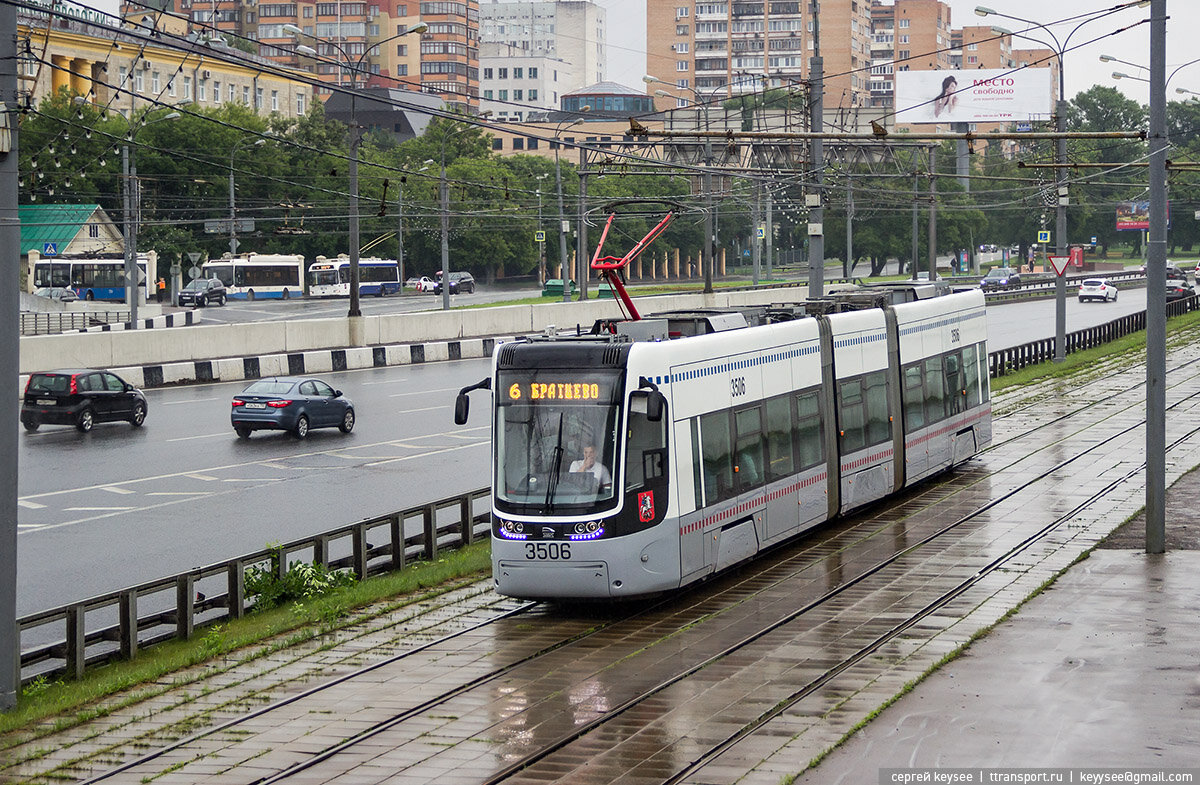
[547,550]
[737,386]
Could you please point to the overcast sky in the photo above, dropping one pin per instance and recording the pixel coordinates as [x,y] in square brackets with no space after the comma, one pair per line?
[627,42]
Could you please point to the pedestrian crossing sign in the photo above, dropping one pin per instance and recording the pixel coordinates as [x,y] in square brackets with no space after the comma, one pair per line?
[539,236]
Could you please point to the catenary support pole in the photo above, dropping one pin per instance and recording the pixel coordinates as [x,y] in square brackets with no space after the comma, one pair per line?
[581,247]
[933,213]
[816,215]
[770,232]
[849,265]
[10,252]
[916,217]
[1156,289]
[1060,229]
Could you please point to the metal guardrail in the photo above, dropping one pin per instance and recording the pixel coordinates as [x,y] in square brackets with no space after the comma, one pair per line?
[111,626]
[48,323]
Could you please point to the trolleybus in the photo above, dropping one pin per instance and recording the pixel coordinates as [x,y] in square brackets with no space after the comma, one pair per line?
[258,276]
[92,279]
[331,277]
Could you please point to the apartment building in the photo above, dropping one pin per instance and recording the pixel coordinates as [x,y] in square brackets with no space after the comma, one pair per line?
[532,53]
[711,50]
[514,84]
[125,73]
[907,35]
[353,42]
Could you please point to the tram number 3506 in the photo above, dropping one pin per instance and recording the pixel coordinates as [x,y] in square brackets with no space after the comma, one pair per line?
[547,550]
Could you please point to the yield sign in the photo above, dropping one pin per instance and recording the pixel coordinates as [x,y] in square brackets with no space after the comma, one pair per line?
[1060,264]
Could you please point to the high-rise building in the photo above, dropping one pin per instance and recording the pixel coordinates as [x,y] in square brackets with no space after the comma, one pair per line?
[907,35]
[707,51]
[531,53]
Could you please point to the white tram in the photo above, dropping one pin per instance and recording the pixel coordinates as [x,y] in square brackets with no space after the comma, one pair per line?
[719,433]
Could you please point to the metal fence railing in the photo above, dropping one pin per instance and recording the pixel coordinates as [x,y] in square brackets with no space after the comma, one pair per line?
[38,323]
[1005,361]
[65,640]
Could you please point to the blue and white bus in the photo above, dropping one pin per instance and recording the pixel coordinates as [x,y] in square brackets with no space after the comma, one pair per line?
[258,276]
[92,279]
[331,277]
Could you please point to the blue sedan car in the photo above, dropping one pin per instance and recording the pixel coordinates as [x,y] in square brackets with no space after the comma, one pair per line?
[289,403]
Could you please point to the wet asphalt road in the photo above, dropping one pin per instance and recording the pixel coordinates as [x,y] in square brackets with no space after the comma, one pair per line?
[119,506]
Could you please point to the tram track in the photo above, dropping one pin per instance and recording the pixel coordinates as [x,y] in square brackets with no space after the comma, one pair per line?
[548,749]
[839,544]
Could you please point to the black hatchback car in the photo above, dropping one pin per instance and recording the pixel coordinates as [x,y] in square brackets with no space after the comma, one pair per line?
[81,397]
[202,291]
[463,283]
[290,403]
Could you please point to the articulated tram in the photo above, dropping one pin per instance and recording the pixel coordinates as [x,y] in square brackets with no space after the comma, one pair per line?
[716,434]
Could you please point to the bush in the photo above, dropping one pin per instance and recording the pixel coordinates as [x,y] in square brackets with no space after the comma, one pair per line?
[302,581]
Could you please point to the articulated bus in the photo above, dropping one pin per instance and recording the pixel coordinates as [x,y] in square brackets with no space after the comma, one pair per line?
[258,276]
[644,456]
[331,277]
[92,279]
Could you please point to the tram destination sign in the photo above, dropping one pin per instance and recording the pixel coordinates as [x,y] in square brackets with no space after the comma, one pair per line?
[565,390]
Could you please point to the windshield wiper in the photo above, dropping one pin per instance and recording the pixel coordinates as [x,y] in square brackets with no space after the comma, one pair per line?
[555,468]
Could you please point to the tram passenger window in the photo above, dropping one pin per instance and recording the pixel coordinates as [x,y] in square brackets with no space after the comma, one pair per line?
[716,445]
[809,430]
[749,465]
[781,462]
[971,376]
[878,424]
[984,391]
[935,393]
[853,412]
[954,383]
[914,399]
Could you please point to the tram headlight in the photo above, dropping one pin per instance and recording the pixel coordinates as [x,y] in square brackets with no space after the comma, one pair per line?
[593,526]
[512,529]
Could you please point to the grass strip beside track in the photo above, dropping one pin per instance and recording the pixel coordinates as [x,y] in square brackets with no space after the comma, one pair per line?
[63,704]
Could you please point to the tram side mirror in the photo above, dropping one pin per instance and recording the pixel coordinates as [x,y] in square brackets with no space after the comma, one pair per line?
[654,406]
[649,403]
[462,405]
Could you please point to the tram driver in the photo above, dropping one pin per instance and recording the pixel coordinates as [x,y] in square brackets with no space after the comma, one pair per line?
[588,463]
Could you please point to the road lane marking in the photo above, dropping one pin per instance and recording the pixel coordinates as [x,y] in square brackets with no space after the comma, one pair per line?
[226,434]
[241,465]
[193,400]
[115,489]
[204,477]
[425,392]
[253,479]
[30,505]
[97,509]
[423,455]
[177,493]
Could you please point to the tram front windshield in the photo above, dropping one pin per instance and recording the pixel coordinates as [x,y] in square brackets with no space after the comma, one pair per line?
[556,440]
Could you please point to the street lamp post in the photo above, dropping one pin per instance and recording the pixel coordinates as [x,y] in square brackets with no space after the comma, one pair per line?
[354,66]
[1060,158]
[233,241]
[710,237]
[132,200]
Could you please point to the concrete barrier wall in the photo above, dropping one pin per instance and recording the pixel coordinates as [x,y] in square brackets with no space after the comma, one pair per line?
[137,348]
